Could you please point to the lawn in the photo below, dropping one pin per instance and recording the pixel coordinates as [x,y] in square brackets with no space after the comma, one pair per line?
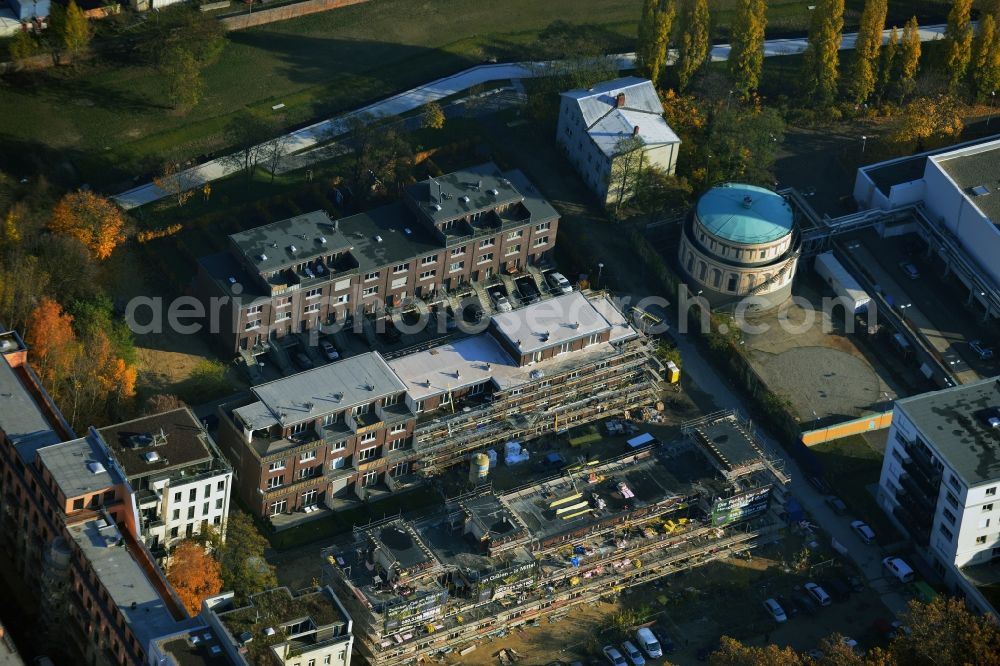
[106,123]
[850,465]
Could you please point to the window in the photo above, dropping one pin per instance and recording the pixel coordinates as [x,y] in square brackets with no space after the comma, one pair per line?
[250,325]
[276,481]
[988,507]
[218,503]
[489,242]
[193,495]
[418,406]
[396,429]
[282,316]
[306,456]
[370,291]
[367,437]
[307,472]
[458,251]
[544,226]
[78,504]
[949,516]
[954,482]
[984,523]
[397,444]
[173,532]
[299,427]
[276,466]
[980,539]
[312,308]
[190,512]
[256,309]
[946,532]
[313,293]
[486,257]
[514,249]
[514,235]
[401,268]
[338,446]
[367,454]
[426,275]
[204,508]
[544,240]
[390,400]
[371,478]
[279,507]
[371,276]
[343,298]
[177,514]
[991,491]
[177,496]
[733,281]
[426,261]
[217,520]
[283,302]
[895,454]
[457,266]
[564,347]
[220,486]
[951,500]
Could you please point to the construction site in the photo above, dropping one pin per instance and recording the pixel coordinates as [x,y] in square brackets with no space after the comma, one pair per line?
[488,562]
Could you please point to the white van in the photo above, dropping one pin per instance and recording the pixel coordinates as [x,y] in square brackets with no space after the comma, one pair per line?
[863,531]
[818,593]
[898,568]
[647,641]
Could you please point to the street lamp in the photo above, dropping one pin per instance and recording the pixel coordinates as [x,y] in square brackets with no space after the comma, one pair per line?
[993,96]
[600,269]
[864,142]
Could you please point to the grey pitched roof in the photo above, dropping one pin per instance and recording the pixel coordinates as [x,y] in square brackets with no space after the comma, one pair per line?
[329,388]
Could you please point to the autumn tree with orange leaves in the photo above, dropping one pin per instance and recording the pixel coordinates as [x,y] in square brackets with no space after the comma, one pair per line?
[96,221]
[194,574]
[53,343]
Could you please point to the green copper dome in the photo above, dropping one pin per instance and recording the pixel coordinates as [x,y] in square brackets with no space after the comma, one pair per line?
[745,214]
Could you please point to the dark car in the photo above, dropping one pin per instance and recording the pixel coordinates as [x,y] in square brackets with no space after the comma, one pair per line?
[805,603]
[836,505]
[302,361]
[856,583]
[472,312]
[837,587]
[791,610]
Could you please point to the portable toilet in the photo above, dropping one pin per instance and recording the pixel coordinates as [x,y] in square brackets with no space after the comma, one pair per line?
[479,468]
[673,372]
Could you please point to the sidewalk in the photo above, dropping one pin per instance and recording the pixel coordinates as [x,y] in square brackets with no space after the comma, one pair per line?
[404,102]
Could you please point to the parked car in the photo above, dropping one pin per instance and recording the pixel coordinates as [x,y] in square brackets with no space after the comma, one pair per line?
[329,350]
[614,657]
[836,505]
[818,594]
[838,588]
[500,302]
[863,531]
[472,312]
[633,654]
[898,568]
[559,282]
[985,353]
[856,583]
[805,603]
[787,605]
[647,641]
[775,610]
[909,269]
[302,361]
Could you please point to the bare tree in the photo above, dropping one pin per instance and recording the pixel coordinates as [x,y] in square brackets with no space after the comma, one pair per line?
[272,152]
[626,165]
[246,135]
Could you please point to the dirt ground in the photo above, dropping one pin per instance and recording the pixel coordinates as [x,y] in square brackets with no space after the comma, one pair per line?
[818,368]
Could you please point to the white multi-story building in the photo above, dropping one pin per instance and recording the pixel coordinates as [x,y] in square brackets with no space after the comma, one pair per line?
[941,477]
[595,124]
[180,482]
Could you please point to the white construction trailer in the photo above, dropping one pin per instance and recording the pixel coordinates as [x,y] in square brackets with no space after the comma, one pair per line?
[842,282]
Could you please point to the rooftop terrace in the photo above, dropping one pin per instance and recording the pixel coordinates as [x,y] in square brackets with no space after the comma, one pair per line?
[157,443]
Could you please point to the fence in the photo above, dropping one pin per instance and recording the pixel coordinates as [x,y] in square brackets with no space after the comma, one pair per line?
[283,13]
[856,426]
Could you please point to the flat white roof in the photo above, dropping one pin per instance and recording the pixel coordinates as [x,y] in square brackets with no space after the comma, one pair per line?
[450,367]
[621,328]
[549,323]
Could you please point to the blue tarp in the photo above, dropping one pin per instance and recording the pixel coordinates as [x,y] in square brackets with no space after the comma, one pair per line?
[553,458]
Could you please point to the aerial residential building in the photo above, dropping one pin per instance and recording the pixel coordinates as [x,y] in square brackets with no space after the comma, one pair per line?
[364,427]
[940,479]
[311,271]
[277,628]
[487,562]
[596,126]
[180,479]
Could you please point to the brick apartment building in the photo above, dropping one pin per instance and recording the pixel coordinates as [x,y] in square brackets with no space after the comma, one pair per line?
[364,427]
[308,271]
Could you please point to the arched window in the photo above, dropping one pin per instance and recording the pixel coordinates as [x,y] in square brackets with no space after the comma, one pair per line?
[716,278]
[702,270]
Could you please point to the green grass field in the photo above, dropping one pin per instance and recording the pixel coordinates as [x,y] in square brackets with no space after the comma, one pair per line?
[105,123]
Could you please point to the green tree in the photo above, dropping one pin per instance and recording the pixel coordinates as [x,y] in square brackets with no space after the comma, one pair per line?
[182,72]
[820,64]
[743,144]
[746,55]
[958,42]
[986,58]
[22,47]
[695,40]
[654,36]
[244,569]
[869,44]
[72,30]
[656,192]
[909,56]
[889,56]
[433,116]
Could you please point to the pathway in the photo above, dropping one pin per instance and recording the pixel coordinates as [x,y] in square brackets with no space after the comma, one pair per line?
[326,130]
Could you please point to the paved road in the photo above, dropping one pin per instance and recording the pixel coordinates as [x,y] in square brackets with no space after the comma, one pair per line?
[309,137]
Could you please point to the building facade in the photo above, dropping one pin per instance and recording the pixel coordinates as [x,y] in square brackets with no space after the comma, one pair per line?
[364,427]
[740,241]
[276,628]
[596,125]
[488,562]
[940,478]
[311,271]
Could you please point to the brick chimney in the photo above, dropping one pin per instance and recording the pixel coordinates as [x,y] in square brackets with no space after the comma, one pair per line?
[635,131]
[620,100]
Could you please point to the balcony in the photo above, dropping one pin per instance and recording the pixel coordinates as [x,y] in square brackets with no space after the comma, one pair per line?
[920,533]
[928,484]
[365,423]
[915,494]
[314,273]
[920,460]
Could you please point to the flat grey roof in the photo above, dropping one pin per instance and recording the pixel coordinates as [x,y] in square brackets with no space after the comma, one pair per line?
[976,167]
[536,204]
[124,579]
[444,198]
[199,646]
[70,465]
[897,172]
[954,421]
[269,247]
[550,323]
[184,442]
[329,388]
[451,366]
[20,417]
[403,237]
